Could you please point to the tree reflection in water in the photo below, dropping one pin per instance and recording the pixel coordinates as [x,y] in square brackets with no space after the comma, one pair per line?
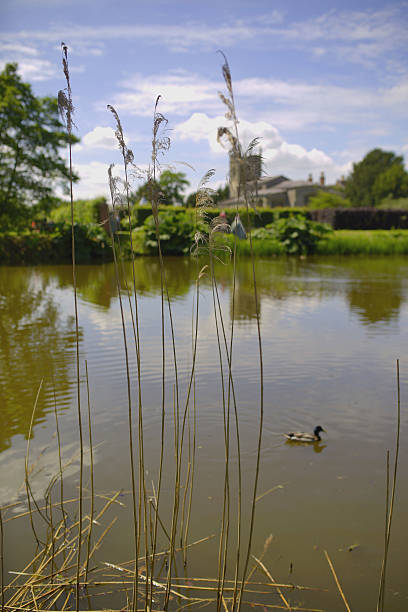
[35,343]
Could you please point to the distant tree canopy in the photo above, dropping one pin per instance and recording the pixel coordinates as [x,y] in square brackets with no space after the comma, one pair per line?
[325,199]
[31,137]
[222,193]
[391,184]
[378,175]
[168,188]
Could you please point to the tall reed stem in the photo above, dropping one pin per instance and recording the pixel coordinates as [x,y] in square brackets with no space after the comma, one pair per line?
[112,186]
[381,595]
[66,109]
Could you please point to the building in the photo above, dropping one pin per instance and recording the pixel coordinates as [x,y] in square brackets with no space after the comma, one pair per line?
[269,191]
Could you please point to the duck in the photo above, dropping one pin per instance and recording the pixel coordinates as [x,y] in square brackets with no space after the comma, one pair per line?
[301,436]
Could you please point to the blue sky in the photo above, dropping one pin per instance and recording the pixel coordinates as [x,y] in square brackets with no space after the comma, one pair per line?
[320,82]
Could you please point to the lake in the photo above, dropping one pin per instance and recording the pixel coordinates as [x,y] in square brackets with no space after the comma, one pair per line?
[332,330]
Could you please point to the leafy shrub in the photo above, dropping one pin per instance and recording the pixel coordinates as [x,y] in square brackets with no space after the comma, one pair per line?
[91,244]
[298,235]
[86,212]
[176,233]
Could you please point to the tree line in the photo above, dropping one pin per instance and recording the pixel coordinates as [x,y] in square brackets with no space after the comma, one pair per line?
[31,166]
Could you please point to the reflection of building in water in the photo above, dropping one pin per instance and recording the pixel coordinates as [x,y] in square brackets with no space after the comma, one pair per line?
[270,191]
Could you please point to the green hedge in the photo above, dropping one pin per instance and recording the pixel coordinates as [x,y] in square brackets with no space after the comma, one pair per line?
[34,247]
[258,218]
[361,218]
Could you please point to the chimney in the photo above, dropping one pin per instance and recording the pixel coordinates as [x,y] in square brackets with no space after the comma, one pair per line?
[310,178]
[322,178]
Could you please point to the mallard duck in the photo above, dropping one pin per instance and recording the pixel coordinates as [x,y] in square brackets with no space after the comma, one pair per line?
[301,436]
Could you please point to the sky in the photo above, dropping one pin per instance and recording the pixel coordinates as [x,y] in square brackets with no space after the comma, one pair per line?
[321,82]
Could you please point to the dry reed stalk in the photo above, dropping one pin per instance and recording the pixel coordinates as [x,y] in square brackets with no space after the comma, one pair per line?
[193,456]
[231,394]
[190,463]
[389,514]
[387,501]
[337,581]
[224,531]
[160,521]
[66,109]
[160,144]
[204,200]
[59,455]
[67,501]
[276,607]
[192,449]
[268,574]
[187,402]
[91,516]
[26,466]
[128,162]
[2,560]
[52,535]
[34,578]
[114,195]
[237,151]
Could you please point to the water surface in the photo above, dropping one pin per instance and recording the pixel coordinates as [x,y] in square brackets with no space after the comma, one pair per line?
[332,330]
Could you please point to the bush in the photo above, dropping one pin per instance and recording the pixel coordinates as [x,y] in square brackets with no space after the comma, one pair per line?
[86,212]
[176,233]
[91,244]
[298,235]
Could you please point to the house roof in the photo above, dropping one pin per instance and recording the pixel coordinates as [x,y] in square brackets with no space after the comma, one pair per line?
[284,186]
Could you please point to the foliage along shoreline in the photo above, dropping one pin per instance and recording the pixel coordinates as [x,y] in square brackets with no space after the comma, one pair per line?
[55,248]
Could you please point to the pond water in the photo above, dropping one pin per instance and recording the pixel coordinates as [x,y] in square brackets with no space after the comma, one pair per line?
[332,330]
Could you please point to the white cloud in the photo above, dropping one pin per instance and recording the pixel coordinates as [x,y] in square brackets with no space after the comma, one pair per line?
[280,157]
[181,92]
[100,138]
[397,95]
[93,180]
[288,105]
[36,69]
[18,49]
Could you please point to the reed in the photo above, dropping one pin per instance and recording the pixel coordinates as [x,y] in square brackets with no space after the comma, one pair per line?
[390,507]
[127,156]
[65,566]
[66,109]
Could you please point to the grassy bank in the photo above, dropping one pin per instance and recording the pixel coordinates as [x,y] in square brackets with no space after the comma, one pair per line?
[365,242]
[340,242]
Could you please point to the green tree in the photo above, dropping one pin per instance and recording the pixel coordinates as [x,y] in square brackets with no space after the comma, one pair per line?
[359,186]
[325,199]
[391,184]
[222,193]
[169,188]
[31,136]
[172,184]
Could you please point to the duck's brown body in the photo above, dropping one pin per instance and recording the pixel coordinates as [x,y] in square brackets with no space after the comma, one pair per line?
[301,436]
